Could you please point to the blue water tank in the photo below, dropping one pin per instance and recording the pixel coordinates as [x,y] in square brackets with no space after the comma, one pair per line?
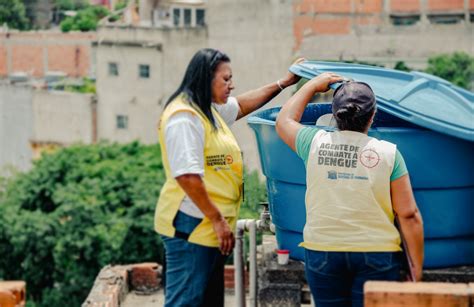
[429,120]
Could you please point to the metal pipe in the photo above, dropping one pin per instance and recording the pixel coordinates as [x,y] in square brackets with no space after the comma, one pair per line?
[239,265]
[253,263]
[264,224]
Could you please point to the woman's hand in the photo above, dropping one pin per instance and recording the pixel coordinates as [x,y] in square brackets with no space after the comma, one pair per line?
[290,77]
[194,187]
[224,235]
[288,120]
[321,83]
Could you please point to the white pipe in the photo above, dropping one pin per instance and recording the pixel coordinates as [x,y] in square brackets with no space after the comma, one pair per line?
[252,226]
[239,265]
[253,263]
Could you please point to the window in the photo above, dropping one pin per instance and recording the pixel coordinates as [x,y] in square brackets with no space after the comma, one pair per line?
[113,69]
[122,122]
[404,20]
[200,17]
[187,17]
[144,71]
[446,18]
[176,17]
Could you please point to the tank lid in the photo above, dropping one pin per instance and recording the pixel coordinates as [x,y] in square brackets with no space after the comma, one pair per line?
[416,97]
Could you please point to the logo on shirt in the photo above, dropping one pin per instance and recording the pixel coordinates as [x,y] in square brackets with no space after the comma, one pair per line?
[216,160]
[369,158]
[219,160]
[229,159]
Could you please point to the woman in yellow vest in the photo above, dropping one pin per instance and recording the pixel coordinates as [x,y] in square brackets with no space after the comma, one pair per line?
[354,184]
[199,202]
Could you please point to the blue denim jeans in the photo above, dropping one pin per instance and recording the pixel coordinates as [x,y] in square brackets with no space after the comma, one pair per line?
[337,278]
[194,273]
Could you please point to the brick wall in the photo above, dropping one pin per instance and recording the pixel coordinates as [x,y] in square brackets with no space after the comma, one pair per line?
[340,17]
[331,25]
[405,6]
[332,6]
[368,6]
[114,282]
[37,52]
[73,60]
[3,60]
[445,5]
[229,277]
[27,58]
[12,293]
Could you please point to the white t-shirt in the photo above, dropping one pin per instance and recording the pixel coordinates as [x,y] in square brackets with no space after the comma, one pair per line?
[184,138]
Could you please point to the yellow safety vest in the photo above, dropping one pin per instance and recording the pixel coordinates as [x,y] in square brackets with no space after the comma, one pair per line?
[223,175]
[348,203]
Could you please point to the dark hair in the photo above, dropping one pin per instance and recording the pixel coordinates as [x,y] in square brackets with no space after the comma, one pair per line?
[197,81]
[351,117]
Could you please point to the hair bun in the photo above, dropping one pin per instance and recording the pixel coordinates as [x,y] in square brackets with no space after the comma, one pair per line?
[348,111]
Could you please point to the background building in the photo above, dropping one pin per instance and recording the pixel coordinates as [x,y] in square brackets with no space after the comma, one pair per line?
[37,53]
[140,64]
[36,120]
[139,60]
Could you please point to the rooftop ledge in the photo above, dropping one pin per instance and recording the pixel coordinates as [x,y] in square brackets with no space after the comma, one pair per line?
[114,283]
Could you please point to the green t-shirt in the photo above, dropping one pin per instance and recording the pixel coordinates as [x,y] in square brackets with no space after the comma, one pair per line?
[305,136]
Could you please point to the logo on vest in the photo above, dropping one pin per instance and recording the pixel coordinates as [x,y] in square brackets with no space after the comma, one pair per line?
[340,155]
[219,162]
[332,175]
[369,158]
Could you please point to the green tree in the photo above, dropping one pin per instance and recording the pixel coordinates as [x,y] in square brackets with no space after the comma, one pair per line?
[70,5]
[120,5]
[85,20]
[76,211]
[81,208]
[457,68]
[400,65]
[12,13]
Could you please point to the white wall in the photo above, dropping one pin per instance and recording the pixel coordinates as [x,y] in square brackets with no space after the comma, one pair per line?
[258,37]
[16,124]
[127,94]
[62,117]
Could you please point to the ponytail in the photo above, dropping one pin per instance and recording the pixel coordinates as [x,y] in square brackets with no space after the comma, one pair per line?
[349,117]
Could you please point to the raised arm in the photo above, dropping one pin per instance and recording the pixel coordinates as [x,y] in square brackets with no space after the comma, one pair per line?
[288,120]
[255,99]
[411,224]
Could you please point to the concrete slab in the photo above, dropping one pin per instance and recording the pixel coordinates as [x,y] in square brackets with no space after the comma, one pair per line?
[158,299]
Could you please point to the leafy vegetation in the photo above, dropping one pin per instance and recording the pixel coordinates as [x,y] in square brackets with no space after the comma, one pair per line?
[81,208]
[400,65]
[76,211]
[85,19]
[87,86]
[120,5]
[13,13]
[457,67]
[71,5]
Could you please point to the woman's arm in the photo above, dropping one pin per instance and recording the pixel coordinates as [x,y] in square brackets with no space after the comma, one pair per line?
[410,220]
[255,99]
[194,187]
[288,121]
[185,148]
